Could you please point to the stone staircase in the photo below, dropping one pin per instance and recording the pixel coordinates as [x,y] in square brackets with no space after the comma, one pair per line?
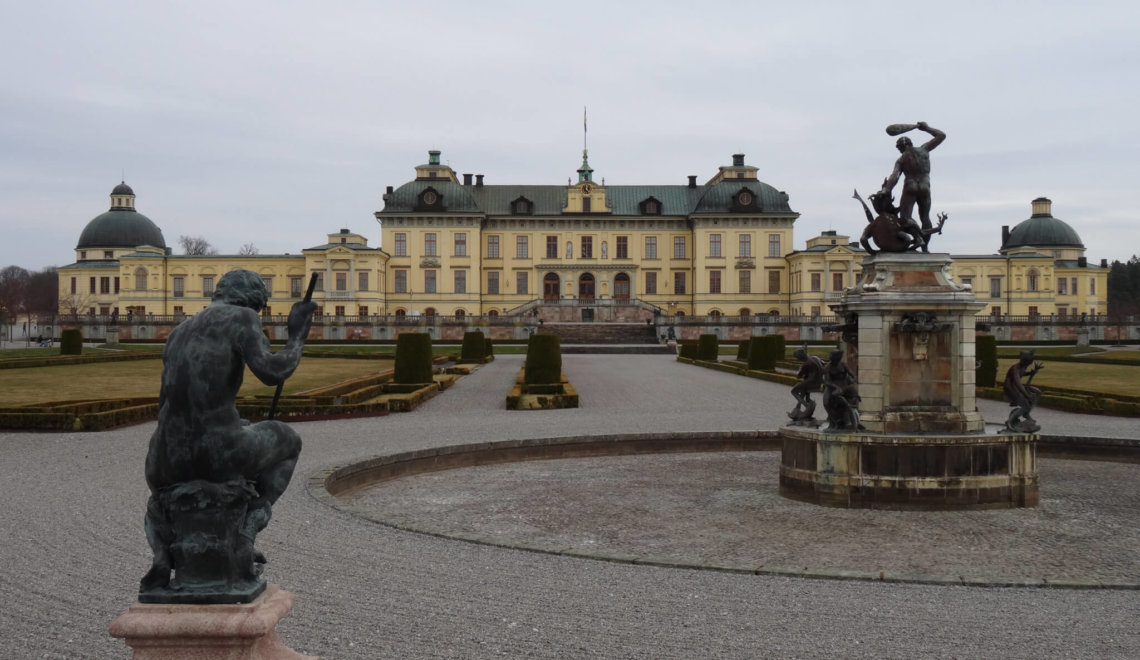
[607,337]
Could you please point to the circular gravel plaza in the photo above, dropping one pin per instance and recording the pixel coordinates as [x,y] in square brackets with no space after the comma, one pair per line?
[74,549]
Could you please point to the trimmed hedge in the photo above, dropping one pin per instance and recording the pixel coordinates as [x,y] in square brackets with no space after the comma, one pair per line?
[764,352]
[413,358]
[71,342]
[985,348]
[543,359]
[742,350]
[707,347]
[474,346]
[687,348]
[488,347]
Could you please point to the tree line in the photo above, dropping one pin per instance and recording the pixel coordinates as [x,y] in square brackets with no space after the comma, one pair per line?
[1124,288]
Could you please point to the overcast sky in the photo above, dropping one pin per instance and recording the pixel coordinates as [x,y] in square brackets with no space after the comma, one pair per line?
[279,122]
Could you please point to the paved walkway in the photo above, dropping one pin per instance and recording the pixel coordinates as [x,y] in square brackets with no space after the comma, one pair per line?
[73,551]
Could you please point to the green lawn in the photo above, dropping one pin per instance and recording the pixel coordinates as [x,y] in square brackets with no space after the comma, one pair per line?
[1049,351]
[1106,378]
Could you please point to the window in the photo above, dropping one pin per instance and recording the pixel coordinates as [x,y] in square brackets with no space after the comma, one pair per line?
[92,285]
[650,283]
[207,285]
[995,310]
[104,285]
[678,247]
[429,281]
[1073,286]
[585,205]
[522,247]
[521,206]
[401,245]
[493,282]
[339,310]
[401,283]
[1092,286]
[362,281]
[714,245]
[551,247]
[1062,312]
[622,247]
[745,283]
[74,283]
[429,245]
[342,281]
[837,281]
[587,247]
[1031,280]
[522,283]
[461,244]
[968,281]
[774,245]
[714,281]
[362,310]
[1062,286]
[461,281]
[773,281]
[1033,311]
[995,287]
[746,245]
[650,247]
[294,286]
[492,247]
[108,254]
[179,286]
[116,286]
[815,311]
[678,282]
[816,282]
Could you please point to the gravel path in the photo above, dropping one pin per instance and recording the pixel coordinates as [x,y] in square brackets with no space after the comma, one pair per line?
[74,550]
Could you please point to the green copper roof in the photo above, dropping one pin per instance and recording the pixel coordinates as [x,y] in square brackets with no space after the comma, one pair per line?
[120,228]
[1043,231]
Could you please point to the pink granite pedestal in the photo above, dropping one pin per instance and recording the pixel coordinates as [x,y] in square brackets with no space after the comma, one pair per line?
[246,631]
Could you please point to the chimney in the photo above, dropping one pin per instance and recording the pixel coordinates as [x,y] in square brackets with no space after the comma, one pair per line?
[1082,262]
[466,179]
[1042,206]
[1104,263]
[692,180]
[433,157]
[1004,235]
[738,160]
[478,180]
[388,191]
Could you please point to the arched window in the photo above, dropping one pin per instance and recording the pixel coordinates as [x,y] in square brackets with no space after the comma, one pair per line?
[494,314]
[679,313]
[429,313]
[459,313]
[1031,280]
[744,311]
[773,312]
[400,313]
[715,313]
[140,279]
[621,286]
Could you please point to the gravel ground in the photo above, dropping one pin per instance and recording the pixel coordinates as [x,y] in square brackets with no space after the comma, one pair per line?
[74,550]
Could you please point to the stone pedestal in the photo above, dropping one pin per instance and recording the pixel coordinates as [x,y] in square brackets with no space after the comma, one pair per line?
[909,333]
[208,632]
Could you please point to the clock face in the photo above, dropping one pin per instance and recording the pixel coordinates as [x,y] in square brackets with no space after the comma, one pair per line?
[586,189]
[744,198]
[430,198]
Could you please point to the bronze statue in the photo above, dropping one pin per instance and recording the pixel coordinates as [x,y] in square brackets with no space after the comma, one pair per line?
[811,378]
[914,163]
[891,234]
[840,395]
[213,476]
[1022,395]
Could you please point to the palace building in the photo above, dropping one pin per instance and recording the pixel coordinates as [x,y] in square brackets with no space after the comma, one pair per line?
[455,247]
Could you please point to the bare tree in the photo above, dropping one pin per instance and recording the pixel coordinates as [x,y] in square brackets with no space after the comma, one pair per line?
[14,288]
[248,248]
[196,245]
[42,297]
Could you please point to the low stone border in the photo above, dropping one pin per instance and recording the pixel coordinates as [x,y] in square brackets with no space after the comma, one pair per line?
[541,397]
[332,483]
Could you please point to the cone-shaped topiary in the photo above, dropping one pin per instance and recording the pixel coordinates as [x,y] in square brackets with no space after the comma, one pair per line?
[986,348]
[708,347]
[474,346]
[488,347]
[543,359]
[687,348]
[413,358]
[763,352]
[71,342]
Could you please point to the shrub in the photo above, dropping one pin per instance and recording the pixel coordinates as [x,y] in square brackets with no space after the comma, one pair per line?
[543,359]
[707,348]
[985,347]
[488,347]
[742,350]
[765,351]
[413,358]
[71,342]
[474,346]
[687,348]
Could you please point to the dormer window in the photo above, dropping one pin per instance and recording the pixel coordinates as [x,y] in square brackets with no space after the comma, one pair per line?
[430,200]
[744,200]
[522,206]
[651,206]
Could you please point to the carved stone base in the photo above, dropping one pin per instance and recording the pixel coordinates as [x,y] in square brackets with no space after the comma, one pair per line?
[209,632]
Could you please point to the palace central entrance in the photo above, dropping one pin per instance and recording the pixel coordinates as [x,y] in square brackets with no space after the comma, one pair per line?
[586,287]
